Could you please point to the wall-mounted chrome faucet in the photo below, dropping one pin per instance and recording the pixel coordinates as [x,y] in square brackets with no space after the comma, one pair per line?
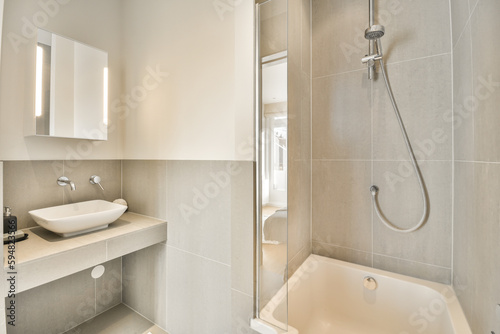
[64,181]
[94,179]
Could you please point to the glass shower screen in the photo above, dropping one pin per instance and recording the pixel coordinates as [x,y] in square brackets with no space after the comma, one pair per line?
[272,170]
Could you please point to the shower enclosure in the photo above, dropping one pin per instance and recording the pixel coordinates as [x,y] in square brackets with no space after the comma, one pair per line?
[344,141]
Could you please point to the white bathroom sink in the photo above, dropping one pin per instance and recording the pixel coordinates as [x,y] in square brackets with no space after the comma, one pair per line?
[73,219]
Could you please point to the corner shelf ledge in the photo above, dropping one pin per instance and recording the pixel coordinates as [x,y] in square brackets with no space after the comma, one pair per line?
[46,256]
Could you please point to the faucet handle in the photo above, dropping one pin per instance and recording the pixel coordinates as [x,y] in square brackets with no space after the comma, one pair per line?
[63,181]
[94,179]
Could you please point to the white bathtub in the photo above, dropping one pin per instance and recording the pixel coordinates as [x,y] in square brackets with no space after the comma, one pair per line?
[327,296]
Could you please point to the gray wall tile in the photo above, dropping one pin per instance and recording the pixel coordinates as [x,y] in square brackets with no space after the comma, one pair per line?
[422,89]
[342,204]
[109,286]
[338,29]
[486,68]
[149,299]
[486,247]
[412,31]
[464,236]
[415,269]
[199,207]
[241,313]
[242,229]
[72,300]
[341,117]
[80,172]
[145,187]
[31,185]
[401,203]
[199,294]
[463,110]
[459,16]
[477,180]
[342,253]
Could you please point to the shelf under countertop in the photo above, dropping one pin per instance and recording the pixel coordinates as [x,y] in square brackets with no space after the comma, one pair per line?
[46,256]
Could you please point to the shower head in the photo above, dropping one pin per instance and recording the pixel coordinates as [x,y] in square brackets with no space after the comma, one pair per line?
[374,32]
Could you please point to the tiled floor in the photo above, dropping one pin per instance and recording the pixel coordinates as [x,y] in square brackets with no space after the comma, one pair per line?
[118,320]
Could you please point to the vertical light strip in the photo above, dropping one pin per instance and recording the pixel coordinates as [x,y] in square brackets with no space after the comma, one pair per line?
[105,97]
[39,81]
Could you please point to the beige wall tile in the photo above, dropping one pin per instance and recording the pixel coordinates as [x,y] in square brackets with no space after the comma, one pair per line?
[463,122]
[299,206]
[414,269]
[459,17]
[341,122]
[199,294]
[486,75]
[306,25]
[31,185]
[341,204]
[199,207]
[296,261]
[57,306]
[472,5]
[145,187]
[109,286]
[401,202]
[476,184]
[338,42]
[464,236]
[486,247]
[422,89]
[80,172]
[414,29]
[242,229]
[241,313]
[147,265]
[343,254]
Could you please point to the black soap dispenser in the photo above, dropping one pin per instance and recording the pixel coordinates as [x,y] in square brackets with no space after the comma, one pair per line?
[9,221]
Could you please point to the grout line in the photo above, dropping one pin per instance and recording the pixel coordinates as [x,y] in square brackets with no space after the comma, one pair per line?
[453,141]
[310,123]
[63,172]
[387,64]
[142,315]
[121,279]
[372,165]
[471,11]
[241,292]
[419,58]
[203,257]
[95,297]
[412,261]
[343,247]
[337,74]
[121,178]
[379,254]
[479,162]
[379,160]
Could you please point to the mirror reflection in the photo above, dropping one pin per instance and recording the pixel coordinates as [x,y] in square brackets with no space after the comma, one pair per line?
[273,162]
[71,96]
